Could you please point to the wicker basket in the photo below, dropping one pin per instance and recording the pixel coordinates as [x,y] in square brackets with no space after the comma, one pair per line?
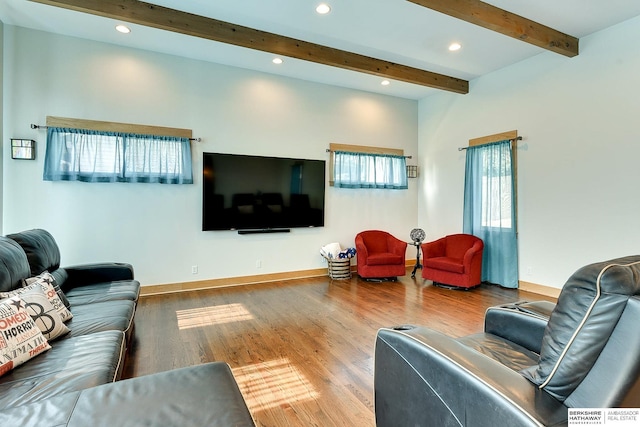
[339,268]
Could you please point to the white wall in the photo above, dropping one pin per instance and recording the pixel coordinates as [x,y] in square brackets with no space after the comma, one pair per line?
[578,165]
[2,143]
[157,227]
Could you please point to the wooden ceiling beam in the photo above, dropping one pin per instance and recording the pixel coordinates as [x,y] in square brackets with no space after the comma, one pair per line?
[163,18]
[504,22]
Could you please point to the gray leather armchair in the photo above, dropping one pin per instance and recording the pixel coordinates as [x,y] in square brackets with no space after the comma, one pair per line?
[533,361]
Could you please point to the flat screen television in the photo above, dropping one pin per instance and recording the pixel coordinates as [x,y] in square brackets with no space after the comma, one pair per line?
[263,194]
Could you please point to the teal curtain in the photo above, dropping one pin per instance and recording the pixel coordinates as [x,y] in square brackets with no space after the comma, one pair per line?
[489,210]
[96,156]
[365,170]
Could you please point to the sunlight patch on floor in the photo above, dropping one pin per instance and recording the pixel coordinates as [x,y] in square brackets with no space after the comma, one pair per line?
[270,384]
[213,315]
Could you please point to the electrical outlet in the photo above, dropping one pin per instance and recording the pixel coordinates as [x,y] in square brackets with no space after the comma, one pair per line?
[194,269]
[258,263]
[529,271]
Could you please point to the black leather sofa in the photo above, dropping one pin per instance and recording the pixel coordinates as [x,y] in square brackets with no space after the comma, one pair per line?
[533,362]
[76,381]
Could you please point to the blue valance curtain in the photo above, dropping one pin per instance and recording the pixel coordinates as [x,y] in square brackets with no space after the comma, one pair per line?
[489,210]
[97,156]
[367,170]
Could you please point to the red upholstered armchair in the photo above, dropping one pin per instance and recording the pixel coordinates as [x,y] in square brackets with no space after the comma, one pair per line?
[380,255]
[454,260]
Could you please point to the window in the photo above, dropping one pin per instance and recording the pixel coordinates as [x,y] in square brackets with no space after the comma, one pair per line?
[497,188]
[103,156]
[354,169]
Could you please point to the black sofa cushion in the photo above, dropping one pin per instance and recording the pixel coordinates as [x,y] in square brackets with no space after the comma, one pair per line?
[41,249]
[71,364]
[589,307]
[103,316]
[202,395]
[14,266]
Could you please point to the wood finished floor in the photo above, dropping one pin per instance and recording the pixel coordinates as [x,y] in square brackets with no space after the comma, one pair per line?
[301,350]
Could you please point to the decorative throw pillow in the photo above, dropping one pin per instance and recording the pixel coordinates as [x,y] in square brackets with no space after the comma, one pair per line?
[44,283]
[46,274]
[20,338]
[43,313]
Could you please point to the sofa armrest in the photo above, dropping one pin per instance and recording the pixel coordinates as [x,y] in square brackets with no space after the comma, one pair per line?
[88,274]
[473,252]
[522,322]
[422,377]
[361,250]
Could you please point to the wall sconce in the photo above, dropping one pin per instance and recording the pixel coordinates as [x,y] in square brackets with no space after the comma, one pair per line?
[23,149]
[412,171]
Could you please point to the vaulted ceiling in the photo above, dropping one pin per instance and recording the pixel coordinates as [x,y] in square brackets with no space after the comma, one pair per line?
[357,45]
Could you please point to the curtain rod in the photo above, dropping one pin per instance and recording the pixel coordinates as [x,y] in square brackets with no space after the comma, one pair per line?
[34,126]
[331,151]
[510,139]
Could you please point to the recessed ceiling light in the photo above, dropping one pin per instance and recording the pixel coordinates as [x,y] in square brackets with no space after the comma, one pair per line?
[454,46]
[123,29]
[323,9]
[277,61]
[385,83]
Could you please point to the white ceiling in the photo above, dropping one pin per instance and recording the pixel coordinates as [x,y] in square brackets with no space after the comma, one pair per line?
[392,30]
